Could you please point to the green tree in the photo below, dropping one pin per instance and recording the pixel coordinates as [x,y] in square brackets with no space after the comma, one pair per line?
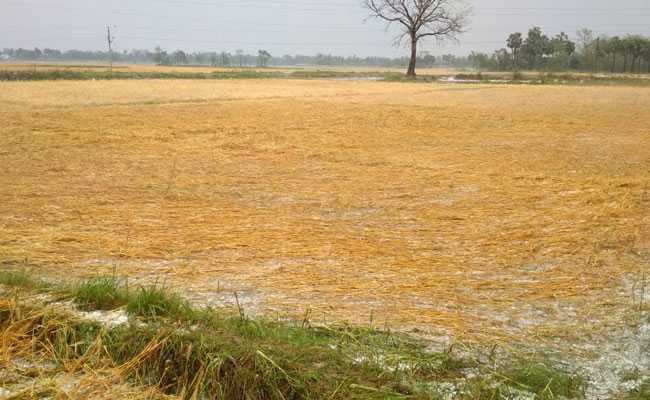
[562,50]
[240,57]
[586,48]
[646,54]
[637,44]
[514,42]
[427,59]
[480,61]
[627,45]
[501,59]
[160,56]
[263,58]
[180,57]
[200,58]
[225,59]
[614,47]
[536,47]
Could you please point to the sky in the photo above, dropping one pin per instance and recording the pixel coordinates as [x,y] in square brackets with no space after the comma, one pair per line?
[290,26]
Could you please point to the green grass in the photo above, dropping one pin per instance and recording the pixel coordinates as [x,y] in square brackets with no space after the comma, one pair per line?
[109,293]
[101,293]
[155,301]
[19,279]
[544,379]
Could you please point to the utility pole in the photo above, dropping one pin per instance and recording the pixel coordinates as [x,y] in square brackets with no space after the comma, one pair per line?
[596,54]
[110,40]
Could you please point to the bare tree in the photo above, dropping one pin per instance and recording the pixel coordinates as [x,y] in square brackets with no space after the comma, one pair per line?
[418,19]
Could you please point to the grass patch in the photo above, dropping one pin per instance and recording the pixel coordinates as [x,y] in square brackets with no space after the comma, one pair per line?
[544,379]
[525,378]
[19,279]
[109,293]
[155,301]
[101,293]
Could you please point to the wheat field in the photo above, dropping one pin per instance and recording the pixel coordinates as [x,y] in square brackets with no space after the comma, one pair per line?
[484,212]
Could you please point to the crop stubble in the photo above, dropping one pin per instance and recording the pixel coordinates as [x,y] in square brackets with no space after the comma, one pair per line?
[484,212]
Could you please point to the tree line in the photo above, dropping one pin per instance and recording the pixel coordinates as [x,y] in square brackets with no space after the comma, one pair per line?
[587,52]
[533,51]
[157,56]
[239,58]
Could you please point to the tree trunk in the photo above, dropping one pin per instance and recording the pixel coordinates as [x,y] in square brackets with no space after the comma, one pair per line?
[414,55]
[625,63]
[614,63]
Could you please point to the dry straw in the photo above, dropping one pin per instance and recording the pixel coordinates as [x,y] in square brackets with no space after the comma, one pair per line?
[488,212]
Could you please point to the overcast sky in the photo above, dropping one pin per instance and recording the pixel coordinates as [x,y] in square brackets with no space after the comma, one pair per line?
[289,26]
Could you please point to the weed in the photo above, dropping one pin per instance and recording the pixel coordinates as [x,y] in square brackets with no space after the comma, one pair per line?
[544,379]
[19,279]
[155,301]
[101,293]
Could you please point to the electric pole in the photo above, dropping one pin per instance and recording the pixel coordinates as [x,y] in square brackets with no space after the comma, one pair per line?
[596,54]
[110,40]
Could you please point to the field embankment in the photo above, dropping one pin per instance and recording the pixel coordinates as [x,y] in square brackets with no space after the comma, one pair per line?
[57,72]
[73,341]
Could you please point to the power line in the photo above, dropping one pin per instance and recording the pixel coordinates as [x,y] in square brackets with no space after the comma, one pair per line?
[312,28]
[315,29]
[299,6]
